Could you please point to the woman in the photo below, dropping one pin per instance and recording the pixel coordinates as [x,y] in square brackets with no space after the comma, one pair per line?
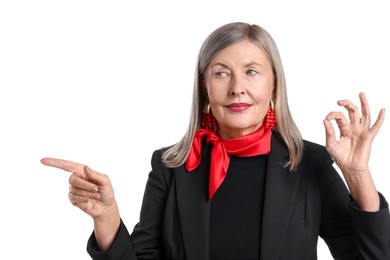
[242,184]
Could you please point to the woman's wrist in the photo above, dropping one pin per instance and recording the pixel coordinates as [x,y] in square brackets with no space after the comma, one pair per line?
[363,191]
[106,227]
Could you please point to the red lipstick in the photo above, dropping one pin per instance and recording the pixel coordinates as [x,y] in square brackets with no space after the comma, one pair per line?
[238,107]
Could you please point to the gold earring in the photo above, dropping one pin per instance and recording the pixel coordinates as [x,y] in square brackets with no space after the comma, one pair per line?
[206,108]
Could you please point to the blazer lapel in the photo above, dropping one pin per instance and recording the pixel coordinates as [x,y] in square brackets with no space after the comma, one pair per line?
[194,207]
[280,192]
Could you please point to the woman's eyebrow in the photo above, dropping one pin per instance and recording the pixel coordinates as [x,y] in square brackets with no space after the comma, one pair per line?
[219,64]
[249,64]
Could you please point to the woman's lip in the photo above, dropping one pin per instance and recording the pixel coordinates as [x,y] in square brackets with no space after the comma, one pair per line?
[238,107]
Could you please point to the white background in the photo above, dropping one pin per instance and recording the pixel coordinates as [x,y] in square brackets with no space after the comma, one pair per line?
[107,82]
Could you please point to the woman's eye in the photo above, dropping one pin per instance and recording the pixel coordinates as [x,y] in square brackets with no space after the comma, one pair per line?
[220,74]
[251,72]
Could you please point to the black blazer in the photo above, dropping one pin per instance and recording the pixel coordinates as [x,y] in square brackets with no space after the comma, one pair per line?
[298,207]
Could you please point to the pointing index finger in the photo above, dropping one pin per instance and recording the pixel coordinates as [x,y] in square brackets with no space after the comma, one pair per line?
[65,165]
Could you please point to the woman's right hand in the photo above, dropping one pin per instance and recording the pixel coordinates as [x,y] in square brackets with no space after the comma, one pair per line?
[89,190]
[92,192]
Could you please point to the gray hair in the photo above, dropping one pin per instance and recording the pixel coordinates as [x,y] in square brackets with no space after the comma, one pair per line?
[218,40]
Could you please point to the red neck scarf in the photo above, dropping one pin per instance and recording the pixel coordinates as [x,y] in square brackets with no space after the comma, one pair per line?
[256,143]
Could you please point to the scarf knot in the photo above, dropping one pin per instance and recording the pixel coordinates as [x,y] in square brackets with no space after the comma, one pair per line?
[256,143]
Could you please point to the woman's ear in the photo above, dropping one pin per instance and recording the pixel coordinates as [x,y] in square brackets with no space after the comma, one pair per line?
[274,93]
[204,88]
[275,84]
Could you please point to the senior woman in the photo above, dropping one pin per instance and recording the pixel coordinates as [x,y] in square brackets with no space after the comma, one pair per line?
[242,183]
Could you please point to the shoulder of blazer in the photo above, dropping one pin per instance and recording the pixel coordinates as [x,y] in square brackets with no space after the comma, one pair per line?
[159,170]
[317,162]
[315,153]
[309,148]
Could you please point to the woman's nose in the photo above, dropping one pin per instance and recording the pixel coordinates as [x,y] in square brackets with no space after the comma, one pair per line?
[237,87]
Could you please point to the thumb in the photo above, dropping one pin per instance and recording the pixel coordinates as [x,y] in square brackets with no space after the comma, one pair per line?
[96,177]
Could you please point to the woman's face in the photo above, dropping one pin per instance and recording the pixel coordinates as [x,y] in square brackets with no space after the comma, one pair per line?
[239,85]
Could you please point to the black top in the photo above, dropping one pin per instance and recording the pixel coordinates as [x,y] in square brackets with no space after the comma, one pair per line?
[236,210]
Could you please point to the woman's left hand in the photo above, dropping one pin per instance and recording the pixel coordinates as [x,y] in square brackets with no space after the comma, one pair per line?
[352,151]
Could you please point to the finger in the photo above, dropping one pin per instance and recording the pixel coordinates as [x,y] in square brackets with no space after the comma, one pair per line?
[378,122]
[353,111]
[82,203]
[84,193]
[339,117]
[79,183]
[96,177]
[330,137]
[77,200]
[65,165]
[366,115]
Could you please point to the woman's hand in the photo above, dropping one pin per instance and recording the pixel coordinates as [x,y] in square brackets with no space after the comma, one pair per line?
[352,151]
[88,190]
[92,192]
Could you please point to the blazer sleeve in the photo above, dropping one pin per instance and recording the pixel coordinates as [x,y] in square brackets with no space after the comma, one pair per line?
[145,242]
[349,232]
[372,230]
